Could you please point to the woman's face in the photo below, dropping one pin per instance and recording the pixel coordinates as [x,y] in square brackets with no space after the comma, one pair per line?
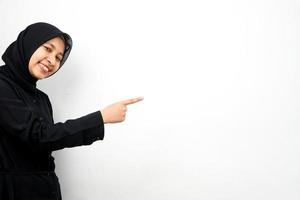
[46,59]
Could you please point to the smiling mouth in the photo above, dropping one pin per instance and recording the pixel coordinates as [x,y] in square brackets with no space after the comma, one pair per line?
[44,67]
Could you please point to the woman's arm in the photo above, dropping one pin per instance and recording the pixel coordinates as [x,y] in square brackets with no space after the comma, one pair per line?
[19,120]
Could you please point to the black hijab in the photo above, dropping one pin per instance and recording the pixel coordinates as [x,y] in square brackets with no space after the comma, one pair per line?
[17,55]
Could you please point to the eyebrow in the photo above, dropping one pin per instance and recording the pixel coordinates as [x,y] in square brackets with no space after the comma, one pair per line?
[52,45]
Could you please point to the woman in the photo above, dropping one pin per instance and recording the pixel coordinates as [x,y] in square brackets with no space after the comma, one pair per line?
[28,134]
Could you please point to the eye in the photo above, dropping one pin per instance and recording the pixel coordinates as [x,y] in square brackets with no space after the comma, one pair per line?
[58,59]
[47,48]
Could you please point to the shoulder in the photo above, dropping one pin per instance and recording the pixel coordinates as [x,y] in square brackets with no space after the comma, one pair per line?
[45,97]
[4,81]
[7,87]
[43,94]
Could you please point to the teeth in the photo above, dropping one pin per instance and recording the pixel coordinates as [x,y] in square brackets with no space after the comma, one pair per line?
[45,68]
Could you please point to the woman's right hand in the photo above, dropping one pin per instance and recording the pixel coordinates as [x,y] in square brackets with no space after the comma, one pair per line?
[116,112]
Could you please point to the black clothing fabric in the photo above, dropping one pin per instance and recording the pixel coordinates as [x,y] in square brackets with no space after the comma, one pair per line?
[28,134]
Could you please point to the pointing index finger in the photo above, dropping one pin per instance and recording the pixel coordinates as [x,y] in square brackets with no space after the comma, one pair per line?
[132,101]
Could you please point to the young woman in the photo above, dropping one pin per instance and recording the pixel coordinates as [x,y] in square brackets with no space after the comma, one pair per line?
[28,134]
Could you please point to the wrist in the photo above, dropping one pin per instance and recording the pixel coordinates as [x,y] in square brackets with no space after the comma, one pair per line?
[103,117]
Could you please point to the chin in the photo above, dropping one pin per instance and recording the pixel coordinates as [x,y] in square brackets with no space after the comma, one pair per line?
[42,77]
[39,76]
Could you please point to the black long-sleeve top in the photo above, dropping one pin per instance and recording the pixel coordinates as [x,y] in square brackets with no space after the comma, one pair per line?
[28,135]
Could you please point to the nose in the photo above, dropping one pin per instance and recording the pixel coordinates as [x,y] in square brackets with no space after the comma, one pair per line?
[51,60]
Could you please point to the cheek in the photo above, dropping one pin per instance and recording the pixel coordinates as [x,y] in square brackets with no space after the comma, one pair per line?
[34,58]
[32,63]
[56,69]
[38,54]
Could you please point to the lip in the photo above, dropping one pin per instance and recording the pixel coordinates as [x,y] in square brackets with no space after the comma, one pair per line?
[44,67]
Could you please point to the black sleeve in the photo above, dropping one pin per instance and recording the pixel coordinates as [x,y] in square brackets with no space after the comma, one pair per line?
[20,121]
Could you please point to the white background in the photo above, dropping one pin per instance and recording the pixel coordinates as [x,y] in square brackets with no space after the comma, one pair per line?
[220,119]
